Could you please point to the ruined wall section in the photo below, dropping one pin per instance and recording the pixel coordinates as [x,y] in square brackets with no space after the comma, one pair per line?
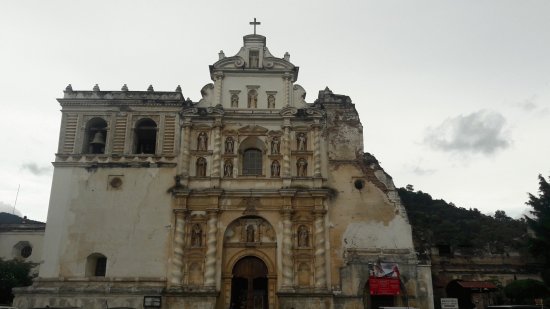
[367,221]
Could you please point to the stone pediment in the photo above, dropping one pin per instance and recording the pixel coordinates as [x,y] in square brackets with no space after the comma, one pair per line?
[238,62]
[252,129]
[288,111]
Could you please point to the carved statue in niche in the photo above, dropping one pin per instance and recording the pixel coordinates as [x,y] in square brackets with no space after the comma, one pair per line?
[275,145]
[201,167]
[228,168]
[303,236]
[202,141]
[250,233]
[301,139]
[275,169]
[234,100]
[196,236]
[271,101]
[252,99]
[229,144]
[301,167]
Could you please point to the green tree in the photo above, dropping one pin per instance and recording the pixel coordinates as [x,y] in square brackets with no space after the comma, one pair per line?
[13,273]
[522,291]
[540,225]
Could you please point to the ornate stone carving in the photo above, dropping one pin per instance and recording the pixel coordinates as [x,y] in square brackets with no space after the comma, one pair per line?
[201,167]
[275,145]
[301,141]
[275,169]
[270,101]
[303,236]
[202,141]
[196,236]
[252,99]
[301,167]
[229,145]
[228,168]
[234,100]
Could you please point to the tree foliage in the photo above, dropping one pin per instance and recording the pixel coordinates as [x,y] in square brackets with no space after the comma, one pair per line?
[436,222]
[13,273]
[522,291]
[539,223]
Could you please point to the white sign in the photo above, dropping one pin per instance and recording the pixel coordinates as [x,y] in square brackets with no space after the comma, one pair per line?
[449,303]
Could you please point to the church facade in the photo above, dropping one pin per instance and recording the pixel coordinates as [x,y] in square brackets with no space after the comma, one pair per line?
[249,198]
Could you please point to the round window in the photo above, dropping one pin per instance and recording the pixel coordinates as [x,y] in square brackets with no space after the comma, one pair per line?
[359,184]
[26,251]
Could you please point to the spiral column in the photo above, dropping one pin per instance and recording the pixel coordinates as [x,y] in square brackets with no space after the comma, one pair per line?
[177,258]
[320,251]
[316,152]
[211,245]
[184,148]
[287,250]
[216,157]
[286,151]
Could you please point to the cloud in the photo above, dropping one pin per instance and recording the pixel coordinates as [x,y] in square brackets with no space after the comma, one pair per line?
[35,169]
[479,132]
[528,104]
[9,209]
[423,171]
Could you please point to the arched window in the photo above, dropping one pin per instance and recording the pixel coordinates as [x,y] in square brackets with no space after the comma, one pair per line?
[145,136]
[252,162]
[96,265]
[95,136]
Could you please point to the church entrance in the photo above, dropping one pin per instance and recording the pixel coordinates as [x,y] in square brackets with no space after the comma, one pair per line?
[249,284]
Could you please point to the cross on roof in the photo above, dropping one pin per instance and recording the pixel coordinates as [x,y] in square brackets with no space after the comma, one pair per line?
[254,23]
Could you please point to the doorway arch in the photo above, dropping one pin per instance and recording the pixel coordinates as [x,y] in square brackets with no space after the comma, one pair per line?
[249,284]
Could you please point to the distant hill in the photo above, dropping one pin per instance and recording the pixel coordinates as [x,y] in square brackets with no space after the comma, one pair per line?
[7,218]
[436,222]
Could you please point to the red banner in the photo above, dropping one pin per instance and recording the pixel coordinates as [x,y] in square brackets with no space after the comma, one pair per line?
[384,286]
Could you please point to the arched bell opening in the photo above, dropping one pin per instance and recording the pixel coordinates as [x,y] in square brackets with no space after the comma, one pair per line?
[96,136]
[249,284]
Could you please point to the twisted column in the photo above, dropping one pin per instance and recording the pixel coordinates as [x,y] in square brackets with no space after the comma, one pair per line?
[216,157]
[184,148]
[320,271]
[286,152]
[177,258]
[211,241]
[316,152]
[287,250]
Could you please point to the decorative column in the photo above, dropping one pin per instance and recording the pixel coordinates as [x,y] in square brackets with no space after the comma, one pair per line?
[218,83]
[177,258]
[287,77]
[287,249]
[286,148]
[184,147]
[217,144]
[316,151]
[211,245]
[320,270]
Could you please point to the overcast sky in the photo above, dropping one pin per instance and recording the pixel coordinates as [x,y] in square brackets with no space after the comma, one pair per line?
[454,96]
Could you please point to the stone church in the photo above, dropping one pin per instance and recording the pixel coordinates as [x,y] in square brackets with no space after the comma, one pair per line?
[249,198]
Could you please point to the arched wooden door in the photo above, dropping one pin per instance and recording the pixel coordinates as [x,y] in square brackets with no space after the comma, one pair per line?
[249,284]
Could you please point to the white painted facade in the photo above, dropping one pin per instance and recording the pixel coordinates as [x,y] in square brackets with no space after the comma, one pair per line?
[183,199]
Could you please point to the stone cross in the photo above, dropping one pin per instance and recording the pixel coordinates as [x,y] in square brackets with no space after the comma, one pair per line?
[254,23]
